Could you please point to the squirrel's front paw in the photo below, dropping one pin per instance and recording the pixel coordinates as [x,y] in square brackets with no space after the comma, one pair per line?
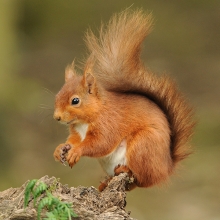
[61,151]
[73,156]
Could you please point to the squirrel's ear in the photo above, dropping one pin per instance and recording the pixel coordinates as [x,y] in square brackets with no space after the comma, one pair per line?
[69,72]
[89,82]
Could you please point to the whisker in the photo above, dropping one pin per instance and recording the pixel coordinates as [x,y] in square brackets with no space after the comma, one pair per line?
[48,91]
[43,106]
[43,119]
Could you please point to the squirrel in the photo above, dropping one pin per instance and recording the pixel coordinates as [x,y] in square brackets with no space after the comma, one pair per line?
[119,112]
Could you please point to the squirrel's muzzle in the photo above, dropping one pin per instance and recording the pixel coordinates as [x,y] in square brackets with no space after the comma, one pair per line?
[57,116]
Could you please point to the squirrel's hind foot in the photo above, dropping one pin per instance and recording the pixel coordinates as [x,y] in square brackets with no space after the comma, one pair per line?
[120,169]
[124,169]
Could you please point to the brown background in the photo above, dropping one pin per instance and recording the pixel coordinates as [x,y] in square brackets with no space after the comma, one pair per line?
[39,38]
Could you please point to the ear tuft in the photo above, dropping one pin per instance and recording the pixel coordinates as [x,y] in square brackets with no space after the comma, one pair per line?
[70,72]
[89,82]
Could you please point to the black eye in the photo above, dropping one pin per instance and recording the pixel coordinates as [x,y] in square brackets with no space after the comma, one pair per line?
[75,101]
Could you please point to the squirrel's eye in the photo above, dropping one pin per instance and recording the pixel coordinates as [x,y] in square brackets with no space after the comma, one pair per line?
[75,101]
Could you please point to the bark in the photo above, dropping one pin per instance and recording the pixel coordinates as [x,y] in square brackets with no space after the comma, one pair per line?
[88,202]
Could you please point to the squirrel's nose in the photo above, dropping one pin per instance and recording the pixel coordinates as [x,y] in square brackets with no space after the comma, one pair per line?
[56,116]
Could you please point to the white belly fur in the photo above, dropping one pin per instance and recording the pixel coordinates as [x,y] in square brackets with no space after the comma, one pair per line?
[118,156]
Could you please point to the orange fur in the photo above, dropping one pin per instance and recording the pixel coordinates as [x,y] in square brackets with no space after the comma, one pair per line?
[120,113]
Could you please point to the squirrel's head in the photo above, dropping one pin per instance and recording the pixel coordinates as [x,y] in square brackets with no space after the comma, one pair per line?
[78,100]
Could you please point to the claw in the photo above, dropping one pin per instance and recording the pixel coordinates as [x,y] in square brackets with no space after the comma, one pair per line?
[64,163]
[63,160]
[73,158]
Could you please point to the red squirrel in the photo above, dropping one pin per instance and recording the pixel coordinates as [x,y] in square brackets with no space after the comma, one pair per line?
[120,113]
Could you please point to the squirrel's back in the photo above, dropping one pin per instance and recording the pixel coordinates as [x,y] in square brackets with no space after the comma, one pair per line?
[115,62]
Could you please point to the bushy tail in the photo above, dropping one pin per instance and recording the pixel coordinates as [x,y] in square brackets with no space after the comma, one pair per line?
[115,62]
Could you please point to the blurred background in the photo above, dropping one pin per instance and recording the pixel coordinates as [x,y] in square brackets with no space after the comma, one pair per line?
[39,38]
